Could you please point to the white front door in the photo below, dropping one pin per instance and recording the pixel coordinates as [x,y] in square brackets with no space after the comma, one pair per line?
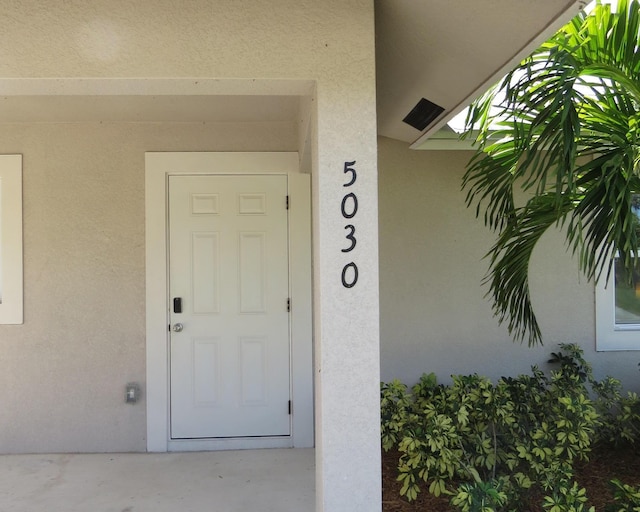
[228,300]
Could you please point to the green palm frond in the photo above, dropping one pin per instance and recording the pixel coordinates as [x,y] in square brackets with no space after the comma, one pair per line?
[563,129]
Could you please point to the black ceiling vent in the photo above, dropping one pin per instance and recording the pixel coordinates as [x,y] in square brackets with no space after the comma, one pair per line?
[423,114]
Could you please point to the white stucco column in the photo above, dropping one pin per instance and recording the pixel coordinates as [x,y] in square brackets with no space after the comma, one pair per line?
[346,321]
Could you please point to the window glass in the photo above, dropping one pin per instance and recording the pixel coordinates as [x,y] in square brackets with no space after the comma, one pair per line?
[627,295]
[618,303]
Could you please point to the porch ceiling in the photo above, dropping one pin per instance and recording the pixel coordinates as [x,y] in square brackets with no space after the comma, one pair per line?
[449,52]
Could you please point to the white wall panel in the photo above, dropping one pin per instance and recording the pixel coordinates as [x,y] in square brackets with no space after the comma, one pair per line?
[206,371]
[206,266]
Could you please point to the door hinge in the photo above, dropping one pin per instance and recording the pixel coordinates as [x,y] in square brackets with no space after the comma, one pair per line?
[290,407]
[288,305]
[287,202]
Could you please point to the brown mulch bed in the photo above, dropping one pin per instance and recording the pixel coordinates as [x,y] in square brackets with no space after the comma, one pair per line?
[605,463]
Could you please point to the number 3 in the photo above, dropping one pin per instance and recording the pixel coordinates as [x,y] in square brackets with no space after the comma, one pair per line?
[350,237]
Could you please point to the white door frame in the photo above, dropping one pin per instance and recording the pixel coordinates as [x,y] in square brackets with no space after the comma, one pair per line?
[158,167]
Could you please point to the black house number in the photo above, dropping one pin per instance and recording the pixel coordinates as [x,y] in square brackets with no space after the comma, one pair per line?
[349,209]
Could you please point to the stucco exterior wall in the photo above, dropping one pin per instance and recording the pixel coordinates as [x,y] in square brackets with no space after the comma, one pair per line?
[328,43]
[199,38]
[62,373]
[433,313]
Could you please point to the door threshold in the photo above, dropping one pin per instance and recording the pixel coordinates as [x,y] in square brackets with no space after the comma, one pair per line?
[235,443]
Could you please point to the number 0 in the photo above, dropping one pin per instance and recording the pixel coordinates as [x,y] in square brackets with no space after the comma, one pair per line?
[354,206]
[354,277]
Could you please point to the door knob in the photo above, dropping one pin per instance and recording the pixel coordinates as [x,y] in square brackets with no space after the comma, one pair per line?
[178,327]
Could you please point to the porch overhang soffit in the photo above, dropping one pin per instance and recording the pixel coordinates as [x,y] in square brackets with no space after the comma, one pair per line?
[451,52]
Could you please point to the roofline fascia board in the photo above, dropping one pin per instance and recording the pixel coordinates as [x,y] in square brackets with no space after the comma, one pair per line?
[436,144]
[454,142]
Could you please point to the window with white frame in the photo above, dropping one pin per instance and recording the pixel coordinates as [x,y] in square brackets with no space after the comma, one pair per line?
[618,304]
[11,239]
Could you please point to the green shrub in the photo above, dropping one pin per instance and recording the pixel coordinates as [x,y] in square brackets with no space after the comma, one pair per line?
[488,446]
[394,409]
[567,498]
[627,498]
[619,421]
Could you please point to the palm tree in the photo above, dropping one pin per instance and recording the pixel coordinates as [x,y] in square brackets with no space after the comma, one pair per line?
[564,128]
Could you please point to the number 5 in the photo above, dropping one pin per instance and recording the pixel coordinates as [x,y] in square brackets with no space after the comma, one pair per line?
[348,168]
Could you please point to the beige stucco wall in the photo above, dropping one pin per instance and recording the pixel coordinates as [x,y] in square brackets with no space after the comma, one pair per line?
[162,38]
[434,316]
[62,373]
[329,43]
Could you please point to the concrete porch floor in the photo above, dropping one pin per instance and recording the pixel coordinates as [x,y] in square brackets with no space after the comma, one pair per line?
[225,481]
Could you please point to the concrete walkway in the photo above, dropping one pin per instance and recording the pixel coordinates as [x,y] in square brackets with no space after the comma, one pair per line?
[235,481]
